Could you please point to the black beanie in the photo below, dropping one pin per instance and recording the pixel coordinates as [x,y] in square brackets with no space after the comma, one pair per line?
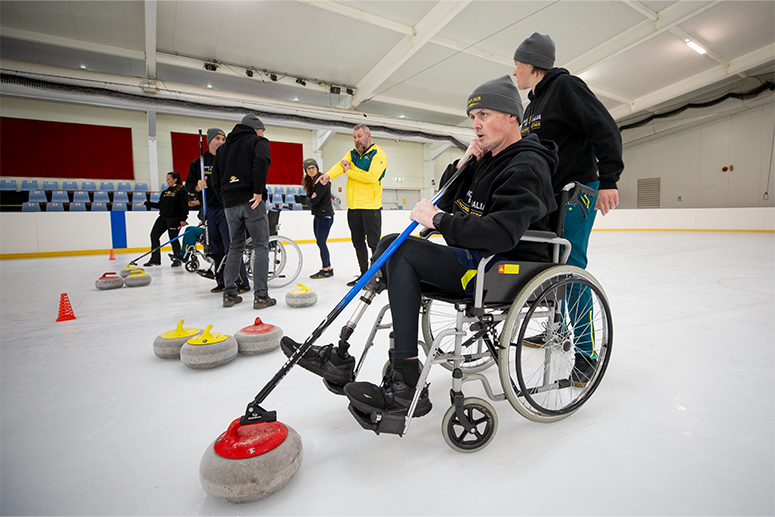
[497,95]
[537,50]
[213,132]
[252,121]
[310,161]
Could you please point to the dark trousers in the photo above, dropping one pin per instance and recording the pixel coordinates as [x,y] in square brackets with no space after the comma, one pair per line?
[365,228]
[417,266]
[164,224]
[218,233]
[322,226]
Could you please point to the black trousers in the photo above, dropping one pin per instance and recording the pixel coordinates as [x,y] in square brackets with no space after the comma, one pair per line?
[416,267]
[365,228]
[164,224]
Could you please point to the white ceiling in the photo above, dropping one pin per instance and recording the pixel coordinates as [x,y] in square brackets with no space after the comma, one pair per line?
[410,59]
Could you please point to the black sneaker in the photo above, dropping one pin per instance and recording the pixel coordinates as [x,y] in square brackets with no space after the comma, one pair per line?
[583,370]
[218,288]
[149,264]
[323,273]
[355,281]
[324,361]
[262,302]
[230,300]
[176,259]
[241,289]
[206,273]
[394,396]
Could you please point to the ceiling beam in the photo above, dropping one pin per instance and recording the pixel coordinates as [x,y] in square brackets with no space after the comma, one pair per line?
[440,15]
[741,64]
[363,16]
[150,39]
[48,39]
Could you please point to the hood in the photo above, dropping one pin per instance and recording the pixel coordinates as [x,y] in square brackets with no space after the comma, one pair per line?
[548,79]
[546,148]
[240,131]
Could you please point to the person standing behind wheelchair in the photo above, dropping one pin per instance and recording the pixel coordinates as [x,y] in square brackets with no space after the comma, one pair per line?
[563,109]
[319,200]
[505,192]
[173,212]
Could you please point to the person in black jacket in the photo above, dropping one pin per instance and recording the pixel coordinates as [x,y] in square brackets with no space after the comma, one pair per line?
[507,191]
[173,212]
[563,109]
[217,227]
[239,176]
[319,199]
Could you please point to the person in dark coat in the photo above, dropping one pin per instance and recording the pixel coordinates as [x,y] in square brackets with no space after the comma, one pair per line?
[319,200]
[173,212]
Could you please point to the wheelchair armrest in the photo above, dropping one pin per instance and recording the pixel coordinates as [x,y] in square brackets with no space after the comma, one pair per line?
[427,232]
[537,236]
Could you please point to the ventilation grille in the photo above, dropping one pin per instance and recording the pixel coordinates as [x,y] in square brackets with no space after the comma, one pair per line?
[648,193]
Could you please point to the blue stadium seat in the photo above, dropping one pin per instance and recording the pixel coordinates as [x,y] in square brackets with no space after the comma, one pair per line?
[297,206]
[50,185]
[69,185]
[55,207]
[120,197]
[290,191]
[29,184]
[155,196]
[107,186]
[290,199]
[31,207]
[8,185]
[37,196]
[60,196]
[88,185]
[278,191]
[77,207]
[124,186]
[101,197]
[119,207]
[99,207]
[141,187]
[139,207]
[139,196]
[81,197]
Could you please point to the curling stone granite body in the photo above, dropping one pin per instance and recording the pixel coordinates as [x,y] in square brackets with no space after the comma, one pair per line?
[258,338]
[244,480]
[167,345]
[303,297]
[109,281]
[208,350]
[137,279]
[129,270]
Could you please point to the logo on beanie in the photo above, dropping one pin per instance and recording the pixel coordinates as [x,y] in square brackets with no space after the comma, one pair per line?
[473,101]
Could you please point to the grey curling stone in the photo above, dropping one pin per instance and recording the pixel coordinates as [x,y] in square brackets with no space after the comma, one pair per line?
[208,350]
[167,345]
[258,338]
[298,298]
[137,279]
[129,270]
[109,281]
[245,480]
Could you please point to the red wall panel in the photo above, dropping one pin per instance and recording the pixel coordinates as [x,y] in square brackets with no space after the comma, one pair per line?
[285,169]
[39,148]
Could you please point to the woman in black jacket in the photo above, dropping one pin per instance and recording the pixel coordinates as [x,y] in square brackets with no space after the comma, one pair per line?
[173,212]
[319,199]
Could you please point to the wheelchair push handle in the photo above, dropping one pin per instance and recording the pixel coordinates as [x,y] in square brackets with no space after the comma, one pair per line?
[572,192]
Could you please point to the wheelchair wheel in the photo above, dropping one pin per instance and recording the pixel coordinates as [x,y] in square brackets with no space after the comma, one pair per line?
[439,316]
[568,309]
[285,261]
[481,415]
[192,265]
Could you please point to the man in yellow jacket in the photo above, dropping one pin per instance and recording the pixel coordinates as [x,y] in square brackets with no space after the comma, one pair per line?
[365,167]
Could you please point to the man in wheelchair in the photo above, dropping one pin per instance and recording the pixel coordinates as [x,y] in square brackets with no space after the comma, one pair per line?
[505,192]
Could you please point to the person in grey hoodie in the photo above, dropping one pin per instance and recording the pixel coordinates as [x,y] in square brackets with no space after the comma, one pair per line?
[239,176]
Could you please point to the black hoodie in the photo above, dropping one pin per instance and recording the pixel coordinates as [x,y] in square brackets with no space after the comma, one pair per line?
[241,166]
[564,110]
[499,198]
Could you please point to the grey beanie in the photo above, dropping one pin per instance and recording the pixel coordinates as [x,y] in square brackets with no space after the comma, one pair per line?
[213,132]
[537,50]
[252,121]
[310,161]
[497,95]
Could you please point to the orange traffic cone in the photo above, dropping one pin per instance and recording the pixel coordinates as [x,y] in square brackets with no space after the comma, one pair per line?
[112,255]
[65,310]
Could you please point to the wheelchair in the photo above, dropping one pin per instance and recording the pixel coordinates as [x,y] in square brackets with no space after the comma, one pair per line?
[285,258]
[533,320]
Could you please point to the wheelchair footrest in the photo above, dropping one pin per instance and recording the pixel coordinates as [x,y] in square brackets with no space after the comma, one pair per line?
[380,421]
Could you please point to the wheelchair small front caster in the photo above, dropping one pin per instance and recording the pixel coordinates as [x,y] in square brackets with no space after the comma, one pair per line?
[192,265]
[483,419]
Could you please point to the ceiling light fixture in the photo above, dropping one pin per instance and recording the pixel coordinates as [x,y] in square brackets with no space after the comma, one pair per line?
[692,45]
[249,73]
[350,91]
[335,89]
[211,67]
[301,81]
[273,77]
